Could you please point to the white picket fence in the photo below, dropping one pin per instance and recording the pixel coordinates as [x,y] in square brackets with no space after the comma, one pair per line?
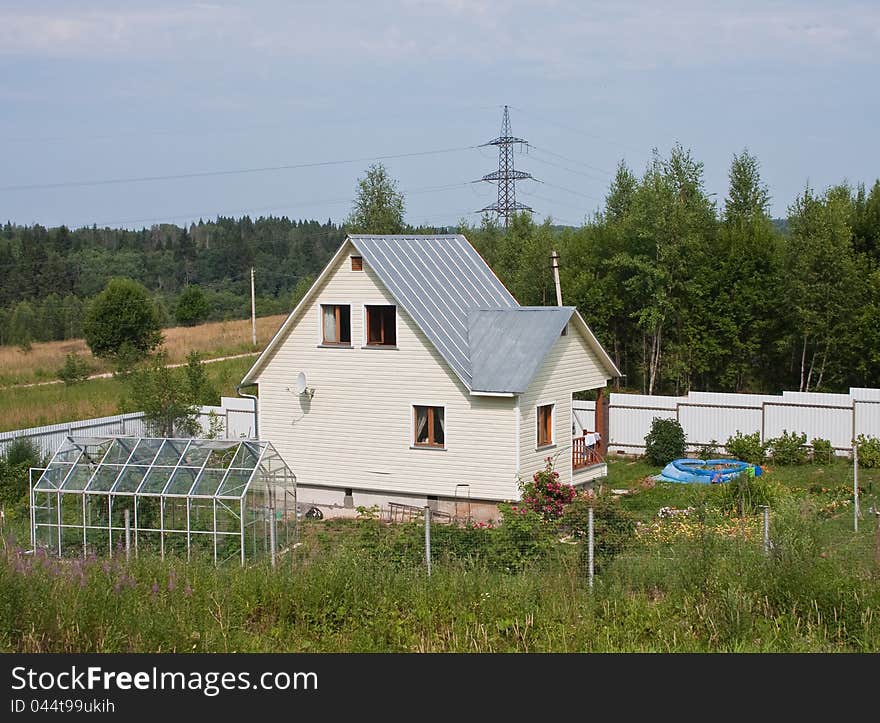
[708,417]
[234,420]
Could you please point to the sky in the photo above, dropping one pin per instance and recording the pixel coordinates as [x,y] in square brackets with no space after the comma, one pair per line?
[278,107]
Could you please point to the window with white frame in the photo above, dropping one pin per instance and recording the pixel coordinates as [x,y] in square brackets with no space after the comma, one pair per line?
[545,415]
[381,323]
[429,426]
[336,324]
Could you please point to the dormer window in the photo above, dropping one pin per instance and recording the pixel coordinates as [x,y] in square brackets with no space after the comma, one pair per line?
[357,263]
[381,325]
[336,324]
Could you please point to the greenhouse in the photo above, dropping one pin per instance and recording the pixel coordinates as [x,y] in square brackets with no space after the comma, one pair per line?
[220,499]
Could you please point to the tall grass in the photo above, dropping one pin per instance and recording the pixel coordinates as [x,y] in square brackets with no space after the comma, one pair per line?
[215,339]
[707,593]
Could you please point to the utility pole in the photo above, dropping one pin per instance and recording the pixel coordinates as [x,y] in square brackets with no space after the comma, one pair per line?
[253,311]
[506,176]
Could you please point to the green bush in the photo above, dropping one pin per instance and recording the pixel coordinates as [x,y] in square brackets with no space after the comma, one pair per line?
[869,451]
[747,447]
[613,525]
[75,370]
[15,461]
[823,452]
[665,442]
[708,451]
[788,449]
[745,493]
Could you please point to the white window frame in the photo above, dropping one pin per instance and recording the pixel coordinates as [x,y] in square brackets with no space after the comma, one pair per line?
[366,331]
[552,404]
[321,304]
[412,426]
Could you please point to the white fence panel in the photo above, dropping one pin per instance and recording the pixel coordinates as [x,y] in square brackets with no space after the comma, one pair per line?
[583,416]
[867,419]
[824,422]
[819,398]
[628,426]
[704,423]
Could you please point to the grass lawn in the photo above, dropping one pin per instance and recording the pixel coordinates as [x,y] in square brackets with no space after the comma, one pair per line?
[23,407]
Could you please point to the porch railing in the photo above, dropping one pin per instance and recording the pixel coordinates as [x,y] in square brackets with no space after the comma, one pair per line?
[584,454]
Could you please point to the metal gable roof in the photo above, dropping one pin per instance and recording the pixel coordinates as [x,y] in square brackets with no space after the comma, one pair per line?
[491,343]
[508,345]
[438,280]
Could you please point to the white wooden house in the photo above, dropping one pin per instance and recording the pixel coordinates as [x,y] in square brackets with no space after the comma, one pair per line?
[426,380]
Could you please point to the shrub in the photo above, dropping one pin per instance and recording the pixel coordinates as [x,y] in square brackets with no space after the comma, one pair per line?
[613,526]
[192,306]
[665,442]
[15,460]
[122,317]
[823,452]
[708,451]
[75,370]
[747,447]
[869,451]
[545,494]
[745,493]
[788,449]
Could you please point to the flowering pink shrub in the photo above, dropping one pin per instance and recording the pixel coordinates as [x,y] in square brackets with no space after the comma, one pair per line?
[545,494]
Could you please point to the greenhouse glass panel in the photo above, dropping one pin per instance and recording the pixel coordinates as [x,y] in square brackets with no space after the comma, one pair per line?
[217,499]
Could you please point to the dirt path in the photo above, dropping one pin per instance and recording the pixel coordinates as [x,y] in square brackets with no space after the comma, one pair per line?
[106,375]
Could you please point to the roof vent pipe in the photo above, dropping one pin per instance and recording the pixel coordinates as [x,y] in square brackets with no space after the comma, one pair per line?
[554,263]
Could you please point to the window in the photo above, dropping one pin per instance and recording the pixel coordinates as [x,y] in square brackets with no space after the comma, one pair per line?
[545,425]
[336,324]
[357,263]
[381,326]
[429,427]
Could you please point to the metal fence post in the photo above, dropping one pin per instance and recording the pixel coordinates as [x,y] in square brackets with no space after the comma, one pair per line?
[766,513]
[272,535]
[428,538]
[856,487]
[127,514]
[590,548]
[877,539]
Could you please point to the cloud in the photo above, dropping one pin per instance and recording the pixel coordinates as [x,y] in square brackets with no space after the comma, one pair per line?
[565,35]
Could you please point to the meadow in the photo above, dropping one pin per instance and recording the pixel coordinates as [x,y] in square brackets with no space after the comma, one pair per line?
[217,339]
[693,582]
[22,407]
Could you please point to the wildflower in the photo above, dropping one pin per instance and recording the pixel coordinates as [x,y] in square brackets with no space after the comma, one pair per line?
[187,591]
[154,589]
[172,581]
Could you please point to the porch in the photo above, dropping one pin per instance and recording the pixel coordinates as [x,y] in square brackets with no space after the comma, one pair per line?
[585,451]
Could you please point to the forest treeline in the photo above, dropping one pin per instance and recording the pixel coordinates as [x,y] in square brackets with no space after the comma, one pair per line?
[685,291]
[47,276]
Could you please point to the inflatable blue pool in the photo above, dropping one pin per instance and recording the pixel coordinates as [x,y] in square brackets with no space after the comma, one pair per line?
[704,471]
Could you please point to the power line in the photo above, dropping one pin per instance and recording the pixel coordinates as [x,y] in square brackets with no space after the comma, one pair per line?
[273,207]
[605,173]
[569,190]
[592,177]
[573,129]
[234,172]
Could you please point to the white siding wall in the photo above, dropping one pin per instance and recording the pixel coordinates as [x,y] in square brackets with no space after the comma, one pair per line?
[569,367]
[357,430]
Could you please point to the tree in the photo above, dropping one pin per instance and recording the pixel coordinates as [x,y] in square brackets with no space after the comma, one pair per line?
[379,206]
[165,397]
[192,306]
[122,321]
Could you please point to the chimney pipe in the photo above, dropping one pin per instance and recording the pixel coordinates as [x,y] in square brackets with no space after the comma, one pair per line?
[554,262]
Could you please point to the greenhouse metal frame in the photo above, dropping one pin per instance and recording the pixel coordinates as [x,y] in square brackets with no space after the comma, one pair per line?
[121,495]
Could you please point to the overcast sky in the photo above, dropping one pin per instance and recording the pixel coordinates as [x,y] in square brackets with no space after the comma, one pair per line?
[101,91]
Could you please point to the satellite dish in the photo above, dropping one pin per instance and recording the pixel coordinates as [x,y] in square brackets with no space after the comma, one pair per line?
[301,383]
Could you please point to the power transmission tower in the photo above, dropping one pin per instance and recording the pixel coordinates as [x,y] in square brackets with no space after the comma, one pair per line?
[506,177]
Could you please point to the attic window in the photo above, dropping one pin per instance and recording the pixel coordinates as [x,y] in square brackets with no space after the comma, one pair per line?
[564,330]
[357,263]
[336,324]
[381,325]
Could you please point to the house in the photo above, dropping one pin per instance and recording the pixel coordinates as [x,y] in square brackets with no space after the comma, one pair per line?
[424,381]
